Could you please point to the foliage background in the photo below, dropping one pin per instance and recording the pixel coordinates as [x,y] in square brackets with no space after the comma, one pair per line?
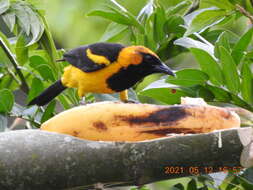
[208,42]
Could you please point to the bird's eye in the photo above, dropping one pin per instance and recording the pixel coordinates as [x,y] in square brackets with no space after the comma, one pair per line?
[148,57]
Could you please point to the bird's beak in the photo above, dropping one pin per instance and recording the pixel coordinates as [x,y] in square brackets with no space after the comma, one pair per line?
[162,68]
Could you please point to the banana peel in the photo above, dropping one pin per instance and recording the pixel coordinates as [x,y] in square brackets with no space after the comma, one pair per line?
[116,121]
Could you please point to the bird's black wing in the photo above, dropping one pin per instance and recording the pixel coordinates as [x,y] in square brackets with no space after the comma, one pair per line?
[78,57]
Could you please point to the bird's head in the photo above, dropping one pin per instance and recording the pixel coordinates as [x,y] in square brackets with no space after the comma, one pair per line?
[143,58]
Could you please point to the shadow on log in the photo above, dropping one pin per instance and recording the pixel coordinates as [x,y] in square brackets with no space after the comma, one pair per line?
[34,159]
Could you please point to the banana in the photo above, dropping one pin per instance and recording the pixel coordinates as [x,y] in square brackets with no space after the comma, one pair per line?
[115,121]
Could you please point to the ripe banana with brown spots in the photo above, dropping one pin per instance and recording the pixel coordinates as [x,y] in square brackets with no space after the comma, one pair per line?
[115,121]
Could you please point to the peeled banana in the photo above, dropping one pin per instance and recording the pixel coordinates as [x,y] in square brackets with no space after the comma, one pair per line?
[116,121]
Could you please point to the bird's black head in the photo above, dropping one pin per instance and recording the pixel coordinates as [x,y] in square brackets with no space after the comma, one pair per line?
[152,63]
[136,62]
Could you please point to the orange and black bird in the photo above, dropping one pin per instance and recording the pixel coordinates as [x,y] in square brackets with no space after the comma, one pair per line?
[104,68]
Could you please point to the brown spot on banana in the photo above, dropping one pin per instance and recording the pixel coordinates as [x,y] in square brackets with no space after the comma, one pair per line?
[75,133]
[100,126]
[164,115]
[166,131]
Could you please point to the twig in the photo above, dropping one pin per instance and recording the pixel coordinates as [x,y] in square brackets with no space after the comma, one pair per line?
[24,86]
[244,12]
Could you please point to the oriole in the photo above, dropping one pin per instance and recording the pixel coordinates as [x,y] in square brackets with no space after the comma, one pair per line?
[104,68]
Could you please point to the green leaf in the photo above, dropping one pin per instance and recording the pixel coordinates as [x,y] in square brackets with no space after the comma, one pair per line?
[163,92]
[37,27]
[178,186]
[180,8]
[149,37]
[205,19]
[6,100]
[247,84]
[123,12]
[47,43]
[146,11]
[241,46]
[22,17]
[188,77]
[191,43]
[49,112]
[204,93]
[21,50]
[233,183]
[223,40]
[224,4]
[36,89]
[158,24]
[248,5]
[174,25]
[245,183]
[192,185]
[64,101]
[9,19]
[115,17]
[239,102]
[4,6]
[5,40]
[220,94]
[114,32]
[40,65]
[208,65]
[229,70]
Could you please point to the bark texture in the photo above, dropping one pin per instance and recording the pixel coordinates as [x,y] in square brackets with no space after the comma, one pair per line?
[34,159]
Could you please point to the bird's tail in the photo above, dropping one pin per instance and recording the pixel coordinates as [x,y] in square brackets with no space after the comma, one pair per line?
[47,95]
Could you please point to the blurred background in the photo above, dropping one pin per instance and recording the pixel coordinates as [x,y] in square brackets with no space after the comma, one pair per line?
[71,27]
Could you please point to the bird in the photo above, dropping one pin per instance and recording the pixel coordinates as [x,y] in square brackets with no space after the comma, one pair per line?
[104,68]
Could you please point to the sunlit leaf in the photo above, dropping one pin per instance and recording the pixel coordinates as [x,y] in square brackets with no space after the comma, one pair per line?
[208,65]
[224,4]
[40,65]
[241,46]
[9,19]
[37,27]
[191,43]
[114,32]
[49,111]
[146,11]
[158,23]
[111,16]
[6,100]
[205,19]
[229,70]
[22,17]
[247,83]
[174,25]
[21,50]
[4,6]
[180,8]
[188,77]
[223,40]
[163,92]
[36,89]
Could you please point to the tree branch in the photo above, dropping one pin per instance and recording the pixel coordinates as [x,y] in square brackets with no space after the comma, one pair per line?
[24,86]
[244,12]
[34,159]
